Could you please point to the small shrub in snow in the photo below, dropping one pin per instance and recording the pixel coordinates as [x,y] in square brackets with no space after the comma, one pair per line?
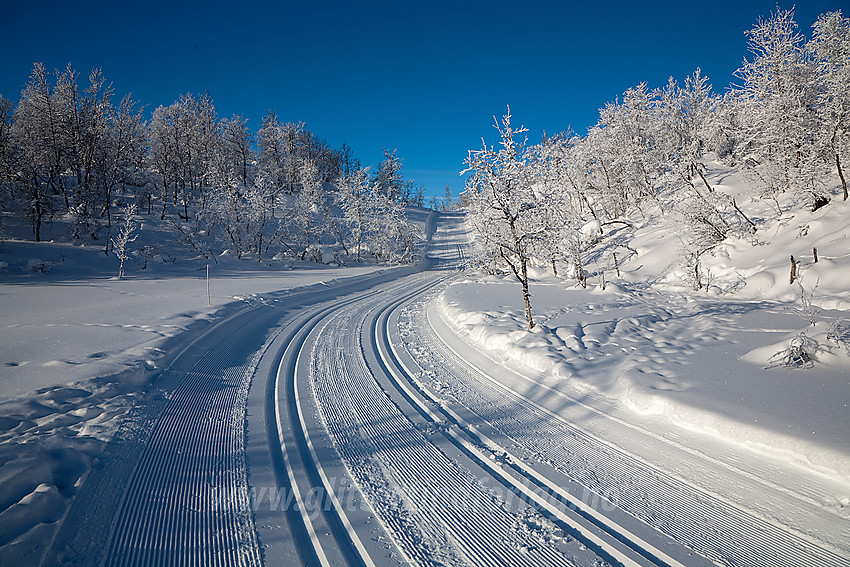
[36,265]
[801,353]
[807,310]
[125,237]
[839,333]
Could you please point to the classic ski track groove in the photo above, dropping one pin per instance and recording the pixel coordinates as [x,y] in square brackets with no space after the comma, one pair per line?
[171,514]
[292,377]
[187,503]
[304,471]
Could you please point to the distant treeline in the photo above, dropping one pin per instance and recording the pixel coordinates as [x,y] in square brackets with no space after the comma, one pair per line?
[77,152]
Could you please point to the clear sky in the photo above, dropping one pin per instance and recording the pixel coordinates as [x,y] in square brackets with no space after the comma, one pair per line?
[423,77]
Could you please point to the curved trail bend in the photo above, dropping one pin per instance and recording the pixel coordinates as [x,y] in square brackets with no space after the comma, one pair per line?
[344,425]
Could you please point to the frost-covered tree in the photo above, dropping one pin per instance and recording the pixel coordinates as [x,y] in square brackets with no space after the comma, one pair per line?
[391,237]
[237,145]
[830,51]
[271,156]
[504,209]
[605,178]
[228,209]
[7,150]
[165,140]
[122,152]
[417,197]
[685,115]
[351,197]
[199,139]
[39,133]
[204,142]
[348,164]
[185,138]
[705,221]
[562,207]
[307,208]
[630,130]
[777,99]
[581,173]
[90,117]
[292,136]
[259,218]
[125,237]
[388,177]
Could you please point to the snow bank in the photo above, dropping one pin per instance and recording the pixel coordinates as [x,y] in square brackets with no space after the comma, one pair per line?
[694,362]
[762,262]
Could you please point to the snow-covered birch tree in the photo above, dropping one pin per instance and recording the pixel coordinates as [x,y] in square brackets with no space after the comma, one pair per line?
[307,207]
[830,51]
[503,205]
[125,237]
[779,124]
[351,197]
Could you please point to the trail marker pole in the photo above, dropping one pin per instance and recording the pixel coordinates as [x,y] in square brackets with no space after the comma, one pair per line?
[208,285]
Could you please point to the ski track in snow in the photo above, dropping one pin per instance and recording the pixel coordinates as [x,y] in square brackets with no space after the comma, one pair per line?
[185,500]
[337,408]
[395,442]
[437,511]
[711,524]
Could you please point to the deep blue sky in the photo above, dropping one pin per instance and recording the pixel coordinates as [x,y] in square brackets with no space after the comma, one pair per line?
[424,77]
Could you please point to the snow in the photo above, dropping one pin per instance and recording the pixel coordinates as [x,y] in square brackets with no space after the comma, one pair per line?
[74,320]
[708,362]
[723,363]
[78,348]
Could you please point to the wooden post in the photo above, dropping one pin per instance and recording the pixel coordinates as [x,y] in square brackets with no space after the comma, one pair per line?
[815,254]
[793,269]
[208,285]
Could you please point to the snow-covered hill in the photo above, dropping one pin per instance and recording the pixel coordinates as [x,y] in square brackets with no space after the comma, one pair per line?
[751,357]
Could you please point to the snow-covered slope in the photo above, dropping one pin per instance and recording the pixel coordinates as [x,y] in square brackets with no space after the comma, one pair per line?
[724,361]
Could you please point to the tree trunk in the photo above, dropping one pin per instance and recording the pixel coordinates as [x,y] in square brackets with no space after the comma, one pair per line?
[38,214]
[752,224]
[841,175]
[525,295]
[701,176]
[106,206]
[164,197]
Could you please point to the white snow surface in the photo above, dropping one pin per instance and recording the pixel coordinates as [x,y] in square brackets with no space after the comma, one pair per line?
[78,344]
[78,321]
